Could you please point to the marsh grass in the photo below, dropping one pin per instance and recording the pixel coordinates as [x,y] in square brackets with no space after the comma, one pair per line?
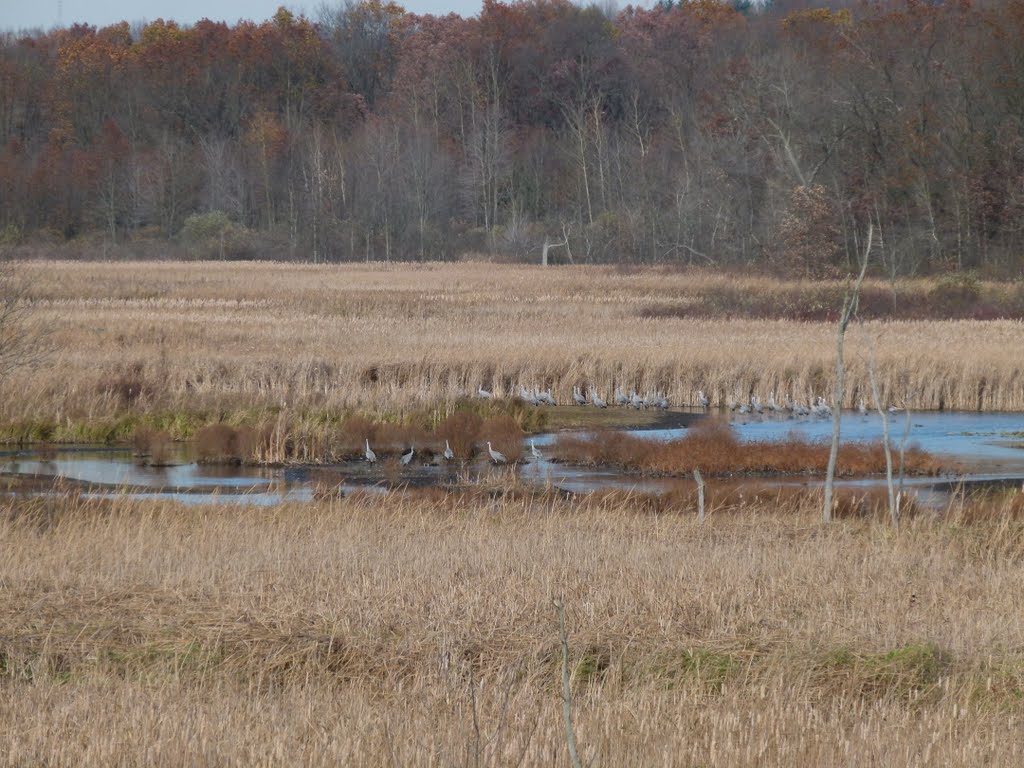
[417,628]
[411,344]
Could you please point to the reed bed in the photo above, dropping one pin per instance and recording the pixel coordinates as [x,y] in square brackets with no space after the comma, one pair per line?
[189,344]
[419,630]
[715,449]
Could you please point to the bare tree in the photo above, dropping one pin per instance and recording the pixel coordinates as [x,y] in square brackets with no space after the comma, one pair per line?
[23,339]
[850,302]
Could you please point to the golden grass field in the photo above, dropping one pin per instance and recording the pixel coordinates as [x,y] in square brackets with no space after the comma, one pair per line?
[217,338]
[418,628]
[415,631]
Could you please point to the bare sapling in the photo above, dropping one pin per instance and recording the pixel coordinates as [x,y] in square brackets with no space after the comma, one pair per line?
[570,733]
[700,495]
[903,443]
[894,511]
[850,302]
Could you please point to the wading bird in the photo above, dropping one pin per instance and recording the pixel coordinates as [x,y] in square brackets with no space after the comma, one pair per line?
[369,454]
[578,396]
[496,456]
[449,454]
[407,457]
[483,394]
[702,399]
[534,452]
[620,397]
[597,401]
[527,397]
[861,408]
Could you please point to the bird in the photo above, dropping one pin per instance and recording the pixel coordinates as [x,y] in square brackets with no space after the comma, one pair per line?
[861,408]
[369,454]
[772,405]
[597,401]
[483,394]
[660,401]
[534,452]
[527,397]
[496,456]
[407,457]
[702,399]
[578,396]
[744,409]
[755,403]
[547,397]
[636,401]
[620,397]
[449,454]
[894,409]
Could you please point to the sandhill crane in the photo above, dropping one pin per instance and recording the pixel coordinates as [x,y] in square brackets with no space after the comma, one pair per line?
[483,394]
[755,403]
[636,401]
[449,454]
[620,397]
[744,409]
[407,456]
[861,408]
[578,397]
[547,397]
[597,401]
[527,397]
[660,401]
[772,405]
[534,452]
[369,454]
[894,409]
[496,456]
[702,399]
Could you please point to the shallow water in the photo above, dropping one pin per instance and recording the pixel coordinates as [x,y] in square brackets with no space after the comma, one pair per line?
[984,444]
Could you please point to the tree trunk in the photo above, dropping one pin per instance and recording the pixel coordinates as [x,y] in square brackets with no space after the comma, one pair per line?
[849,310]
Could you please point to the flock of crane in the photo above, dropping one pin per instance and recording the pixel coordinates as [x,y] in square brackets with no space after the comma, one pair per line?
[540,397]
[818,408]
[406,458]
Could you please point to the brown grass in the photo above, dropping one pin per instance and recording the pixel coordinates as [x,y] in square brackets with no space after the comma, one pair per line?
[193,342]
[714,448]
[419,631]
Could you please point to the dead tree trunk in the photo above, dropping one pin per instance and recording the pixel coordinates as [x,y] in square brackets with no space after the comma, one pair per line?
[849,310]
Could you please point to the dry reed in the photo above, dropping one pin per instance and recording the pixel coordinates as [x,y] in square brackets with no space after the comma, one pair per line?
[193,344]
[417,630]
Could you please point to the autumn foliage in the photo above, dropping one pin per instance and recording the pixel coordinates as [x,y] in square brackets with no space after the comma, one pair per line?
[698,132]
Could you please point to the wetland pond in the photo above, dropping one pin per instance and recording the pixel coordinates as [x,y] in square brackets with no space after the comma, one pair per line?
[988,448]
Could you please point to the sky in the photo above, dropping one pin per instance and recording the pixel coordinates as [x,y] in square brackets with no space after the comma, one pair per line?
[33,14]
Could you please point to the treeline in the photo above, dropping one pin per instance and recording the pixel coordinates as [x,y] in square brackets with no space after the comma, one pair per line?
[694,133]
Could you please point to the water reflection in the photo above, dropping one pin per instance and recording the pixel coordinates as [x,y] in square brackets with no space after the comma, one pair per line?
[986,444]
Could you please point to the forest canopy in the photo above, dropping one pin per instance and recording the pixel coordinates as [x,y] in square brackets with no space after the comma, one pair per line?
[691,133]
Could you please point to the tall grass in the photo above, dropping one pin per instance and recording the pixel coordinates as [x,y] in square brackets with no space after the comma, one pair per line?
[203,343]
[419,630]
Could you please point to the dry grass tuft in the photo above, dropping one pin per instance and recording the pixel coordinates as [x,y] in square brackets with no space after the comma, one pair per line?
[714,449]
